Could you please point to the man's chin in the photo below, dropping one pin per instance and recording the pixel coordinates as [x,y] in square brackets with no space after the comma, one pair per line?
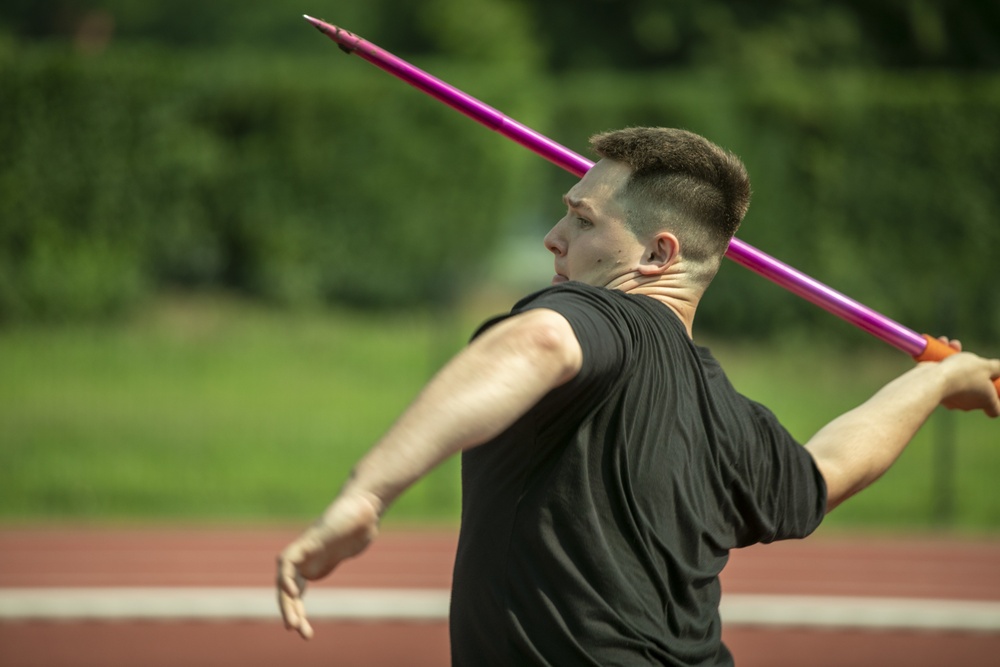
[558,279]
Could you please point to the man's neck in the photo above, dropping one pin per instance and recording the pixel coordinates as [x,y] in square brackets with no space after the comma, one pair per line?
[670,290]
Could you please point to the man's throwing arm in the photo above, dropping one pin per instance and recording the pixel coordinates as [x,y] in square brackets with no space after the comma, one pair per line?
[481,392]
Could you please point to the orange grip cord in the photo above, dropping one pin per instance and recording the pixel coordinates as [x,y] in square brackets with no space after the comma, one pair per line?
[936,351]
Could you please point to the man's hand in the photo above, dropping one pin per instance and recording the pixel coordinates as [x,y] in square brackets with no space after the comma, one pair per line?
[969,381]
[346,528]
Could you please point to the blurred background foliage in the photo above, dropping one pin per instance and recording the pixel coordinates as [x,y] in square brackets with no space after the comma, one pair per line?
[148,145]
[158,159]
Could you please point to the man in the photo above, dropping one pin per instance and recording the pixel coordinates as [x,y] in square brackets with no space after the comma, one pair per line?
[609,467]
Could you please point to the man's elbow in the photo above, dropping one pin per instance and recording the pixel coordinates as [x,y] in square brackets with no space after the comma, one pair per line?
[843,477]
[551,343]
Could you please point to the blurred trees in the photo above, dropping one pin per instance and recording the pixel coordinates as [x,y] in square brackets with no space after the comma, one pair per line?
[151,143]
[568,34]
[121,175]
[633,34]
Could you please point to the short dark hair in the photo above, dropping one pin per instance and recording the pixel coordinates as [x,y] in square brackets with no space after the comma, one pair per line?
[681,182]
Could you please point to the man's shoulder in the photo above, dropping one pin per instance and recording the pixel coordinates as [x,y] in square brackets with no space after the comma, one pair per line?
[564,298]
[634,313]
[609,309]
[575,295]
[567,290]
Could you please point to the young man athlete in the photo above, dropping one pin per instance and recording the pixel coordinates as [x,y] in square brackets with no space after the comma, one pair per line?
[609,467]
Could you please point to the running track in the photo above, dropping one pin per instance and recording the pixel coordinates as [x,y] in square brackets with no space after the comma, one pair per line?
[130,597]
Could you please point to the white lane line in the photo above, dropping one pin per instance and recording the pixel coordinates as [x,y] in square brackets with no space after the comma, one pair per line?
[218,603]
[431,605]
[860,612]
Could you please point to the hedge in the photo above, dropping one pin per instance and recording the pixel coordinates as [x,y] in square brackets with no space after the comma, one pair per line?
[296,181]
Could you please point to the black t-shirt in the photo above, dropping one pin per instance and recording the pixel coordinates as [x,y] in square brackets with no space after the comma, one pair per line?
[595,528]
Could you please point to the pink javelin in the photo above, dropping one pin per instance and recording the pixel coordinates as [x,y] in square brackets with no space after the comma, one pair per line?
[921,347]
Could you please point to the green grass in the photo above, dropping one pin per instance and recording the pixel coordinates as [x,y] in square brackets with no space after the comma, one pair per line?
[212,409]
[208,409]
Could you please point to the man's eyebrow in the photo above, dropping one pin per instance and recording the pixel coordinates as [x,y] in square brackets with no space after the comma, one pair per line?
[579,204]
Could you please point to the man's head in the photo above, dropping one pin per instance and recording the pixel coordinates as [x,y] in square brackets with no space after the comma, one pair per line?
[681,183]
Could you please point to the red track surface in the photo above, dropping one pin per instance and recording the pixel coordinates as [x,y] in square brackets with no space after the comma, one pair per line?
[74,557]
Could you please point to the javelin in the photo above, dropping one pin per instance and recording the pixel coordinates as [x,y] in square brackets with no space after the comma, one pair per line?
[921,347]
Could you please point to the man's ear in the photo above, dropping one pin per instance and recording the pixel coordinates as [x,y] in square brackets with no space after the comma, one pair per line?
[661,251]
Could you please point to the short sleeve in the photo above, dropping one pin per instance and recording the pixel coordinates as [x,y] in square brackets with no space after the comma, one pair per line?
[789,489]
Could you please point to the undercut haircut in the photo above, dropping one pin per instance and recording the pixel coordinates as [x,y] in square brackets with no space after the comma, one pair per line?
[681,183]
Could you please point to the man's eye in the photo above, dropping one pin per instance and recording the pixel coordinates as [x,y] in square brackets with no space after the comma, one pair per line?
[583,222]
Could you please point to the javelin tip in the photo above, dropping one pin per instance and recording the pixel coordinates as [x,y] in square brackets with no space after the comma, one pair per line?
[322,26]
[347,41]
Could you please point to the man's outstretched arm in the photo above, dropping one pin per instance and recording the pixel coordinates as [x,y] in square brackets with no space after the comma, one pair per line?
[482,391]
[859,446]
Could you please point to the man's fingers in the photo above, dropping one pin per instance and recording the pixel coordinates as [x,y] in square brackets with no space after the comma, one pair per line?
[291,588]
[305,628]
[953,343]
[288,593]
[289,578]
[287,607]
[994,410]
[294,614]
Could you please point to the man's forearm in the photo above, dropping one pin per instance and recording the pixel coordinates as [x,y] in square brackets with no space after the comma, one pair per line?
[855,449]
[478,394]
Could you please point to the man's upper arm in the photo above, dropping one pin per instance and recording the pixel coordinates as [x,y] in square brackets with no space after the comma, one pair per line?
[588,328]
[545,336]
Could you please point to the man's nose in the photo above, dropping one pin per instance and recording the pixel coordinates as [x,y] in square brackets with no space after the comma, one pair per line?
[553,241]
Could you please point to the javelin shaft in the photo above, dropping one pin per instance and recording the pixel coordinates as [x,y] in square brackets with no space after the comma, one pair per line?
[742,253]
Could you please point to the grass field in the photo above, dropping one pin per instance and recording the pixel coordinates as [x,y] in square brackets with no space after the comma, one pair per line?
[211,409]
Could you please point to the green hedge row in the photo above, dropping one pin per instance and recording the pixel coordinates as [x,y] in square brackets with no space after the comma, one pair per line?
[325,180]
[296,182]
